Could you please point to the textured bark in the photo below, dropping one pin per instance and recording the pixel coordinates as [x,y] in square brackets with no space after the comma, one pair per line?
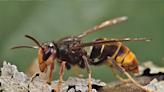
[13,81]
[118,86]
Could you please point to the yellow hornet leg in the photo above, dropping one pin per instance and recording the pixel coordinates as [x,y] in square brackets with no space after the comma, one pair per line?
[146,89]
[122,70]
[89,82]
[50,76]
[89,72]
[61,73]
[77,74]
[121,79]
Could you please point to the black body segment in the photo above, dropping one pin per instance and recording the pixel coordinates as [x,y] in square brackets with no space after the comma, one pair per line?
[73,57]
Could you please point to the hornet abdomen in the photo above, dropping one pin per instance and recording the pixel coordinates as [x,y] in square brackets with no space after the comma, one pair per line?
[120,53]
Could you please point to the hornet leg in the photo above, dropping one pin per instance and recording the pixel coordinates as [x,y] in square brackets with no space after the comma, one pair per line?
[61,73]
[122,70]
[77,74]
[50,76]
[89,72]
[123,80]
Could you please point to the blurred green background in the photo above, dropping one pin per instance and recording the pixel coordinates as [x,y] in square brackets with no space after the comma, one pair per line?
[53,20]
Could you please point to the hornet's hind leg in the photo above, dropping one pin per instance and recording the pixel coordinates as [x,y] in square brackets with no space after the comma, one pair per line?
[122,70]
[101,62]
[121,79]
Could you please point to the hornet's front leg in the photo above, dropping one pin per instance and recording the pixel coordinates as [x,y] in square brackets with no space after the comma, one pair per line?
[51,70]
[61,73]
